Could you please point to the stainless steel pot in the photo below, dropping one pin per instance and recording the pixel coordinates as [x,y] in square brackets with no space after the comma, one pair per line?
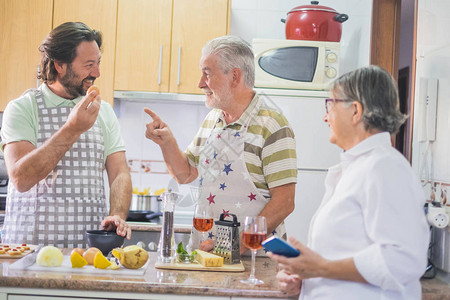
[145,203]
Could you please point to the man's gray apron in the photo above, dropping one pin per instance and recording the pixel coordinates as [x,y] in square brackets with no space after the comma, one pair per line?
[60,208]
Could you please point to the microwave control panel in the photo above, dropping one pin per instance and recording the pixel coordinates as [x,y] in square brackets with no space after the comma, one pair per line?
[331,64]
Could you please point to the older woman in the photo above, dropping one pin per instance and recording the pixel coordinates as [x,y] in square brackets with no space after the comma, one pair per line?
[369,237]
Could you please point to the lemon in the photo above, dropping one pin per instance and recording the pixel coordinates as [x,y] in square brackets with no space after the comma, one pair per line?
[114,266]
[100,261]
[77,260]
[49,256]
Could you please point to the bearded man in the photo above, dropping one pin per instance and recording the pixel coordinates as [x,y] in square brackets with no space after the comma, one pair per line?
[57,141]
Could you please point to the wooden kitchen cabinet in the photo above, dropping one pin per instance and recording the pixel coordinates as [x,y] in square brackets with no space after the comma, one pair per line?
[194,23]
[99,15]
[159,42]
[24,24]
[143,45]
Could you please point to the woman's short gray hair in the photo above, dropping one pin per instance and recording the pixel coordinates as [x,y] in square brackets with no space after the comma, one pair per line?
[233,52]
[377,92]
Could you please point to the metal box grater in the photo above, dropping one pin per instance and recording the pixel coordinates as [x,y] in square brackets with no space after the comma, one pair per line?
[227,239]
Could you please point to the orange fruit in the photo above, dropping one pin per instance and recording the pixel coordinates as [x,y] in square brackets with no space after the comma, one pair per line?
[100,261]
[78,250]
[89,255]
[77,260]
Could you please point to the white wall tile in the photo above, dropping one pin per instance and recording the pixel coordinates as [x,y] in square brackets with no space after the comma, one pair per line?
[183,119]
[438,7]
[284,6]
[351,7]
[243,26]
[355,44]
[244,4]
[270,26]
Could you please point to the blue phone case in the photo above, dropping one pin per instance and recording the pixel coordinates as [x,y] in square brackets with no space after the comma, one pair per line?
[280,247]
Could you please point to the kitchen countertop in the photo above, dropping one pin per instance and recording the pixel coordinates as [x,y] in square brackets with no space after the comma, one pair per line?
[158,281]
[147,226]
[154,281]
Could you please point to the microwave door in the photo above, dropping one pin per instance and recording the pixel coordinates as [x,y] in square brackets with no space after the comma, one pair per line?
[292,63]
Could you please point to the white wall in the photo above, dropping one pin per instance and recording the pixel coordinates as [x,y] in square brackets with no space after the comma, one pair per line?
[431,159]
[433,61]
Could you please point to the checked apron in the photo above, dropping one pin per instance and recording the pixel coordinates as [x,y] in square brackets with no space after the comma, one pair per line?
[225,182]
[60,208]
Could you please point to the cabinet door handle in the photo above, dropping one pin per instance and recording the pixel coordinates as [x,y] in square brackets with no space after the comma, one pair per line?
[160,64]
[179,64]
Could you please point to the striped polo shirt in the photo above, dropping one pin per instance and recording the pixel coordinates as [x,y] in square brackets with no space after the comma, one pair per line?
[269,146]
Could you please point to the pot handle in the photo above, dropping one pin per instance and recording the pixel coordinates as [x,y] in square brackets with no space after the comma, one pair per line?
[283,20]
[341,18]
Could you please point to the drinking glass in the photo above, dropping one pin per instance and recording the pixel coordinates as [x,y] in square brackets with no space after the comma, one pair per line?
[203,219]
[255,231]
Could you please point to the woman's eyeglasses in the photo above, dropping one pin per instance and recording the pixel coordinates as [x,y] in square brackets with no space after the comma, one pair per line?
[328,102]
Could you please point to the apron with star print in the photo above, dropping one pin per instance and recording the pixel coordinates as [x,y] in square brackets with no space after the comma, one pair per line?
[60,208]
[225,183]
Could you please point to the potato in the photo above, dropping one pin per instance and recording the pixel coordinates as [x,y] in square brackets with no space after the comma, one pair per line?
[131,257]
[49,256]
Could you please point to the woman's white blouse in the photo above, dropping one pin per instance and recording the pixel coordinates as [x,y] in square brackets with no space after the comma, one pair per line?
[372,211]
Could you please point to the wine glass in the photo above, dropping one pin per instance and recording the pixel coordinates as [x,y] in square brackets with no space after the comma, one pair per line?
[203,219]
[255,231]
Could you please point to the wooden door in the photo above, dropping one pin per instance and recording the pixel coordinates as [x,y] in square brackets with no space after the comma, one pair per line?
[99,15]
[385,39]
[24,25]
[194,23]
[143,45]
[385,45]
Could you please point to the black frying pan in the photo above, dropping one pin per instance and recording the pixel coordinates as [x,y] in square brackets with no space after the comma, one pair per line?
[142,215]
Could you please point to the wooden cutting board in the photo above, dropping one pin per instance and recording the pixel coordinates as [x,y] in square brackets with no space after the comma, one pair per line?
[66,267]
[195,266]
[12,246]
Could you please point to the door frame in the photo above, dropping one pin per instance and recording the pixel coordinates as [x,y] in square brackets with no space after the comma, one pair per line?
[384,52]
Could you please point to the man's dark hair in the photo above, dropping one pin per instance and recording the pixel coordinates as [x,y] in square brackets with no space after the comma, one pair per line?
[61,45]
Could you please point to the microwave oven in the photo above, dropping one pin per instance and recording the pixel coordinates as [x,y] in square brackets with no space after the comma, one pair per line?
[295,64]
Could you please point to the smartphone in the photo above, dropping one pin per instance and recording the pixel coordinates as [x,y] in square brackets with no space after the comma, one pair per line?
[280,247]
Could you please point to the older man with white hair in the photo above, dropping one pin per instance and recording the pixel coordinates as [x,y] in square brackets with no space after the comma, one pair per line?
[244,153]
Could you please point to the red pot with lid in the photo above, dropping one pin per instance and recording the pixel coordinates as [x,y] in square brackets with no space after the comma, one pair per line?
[314,22]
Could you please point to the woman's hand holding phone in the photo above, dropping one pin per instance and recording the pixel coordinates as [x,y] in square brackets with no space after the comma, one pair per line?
[280,247]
